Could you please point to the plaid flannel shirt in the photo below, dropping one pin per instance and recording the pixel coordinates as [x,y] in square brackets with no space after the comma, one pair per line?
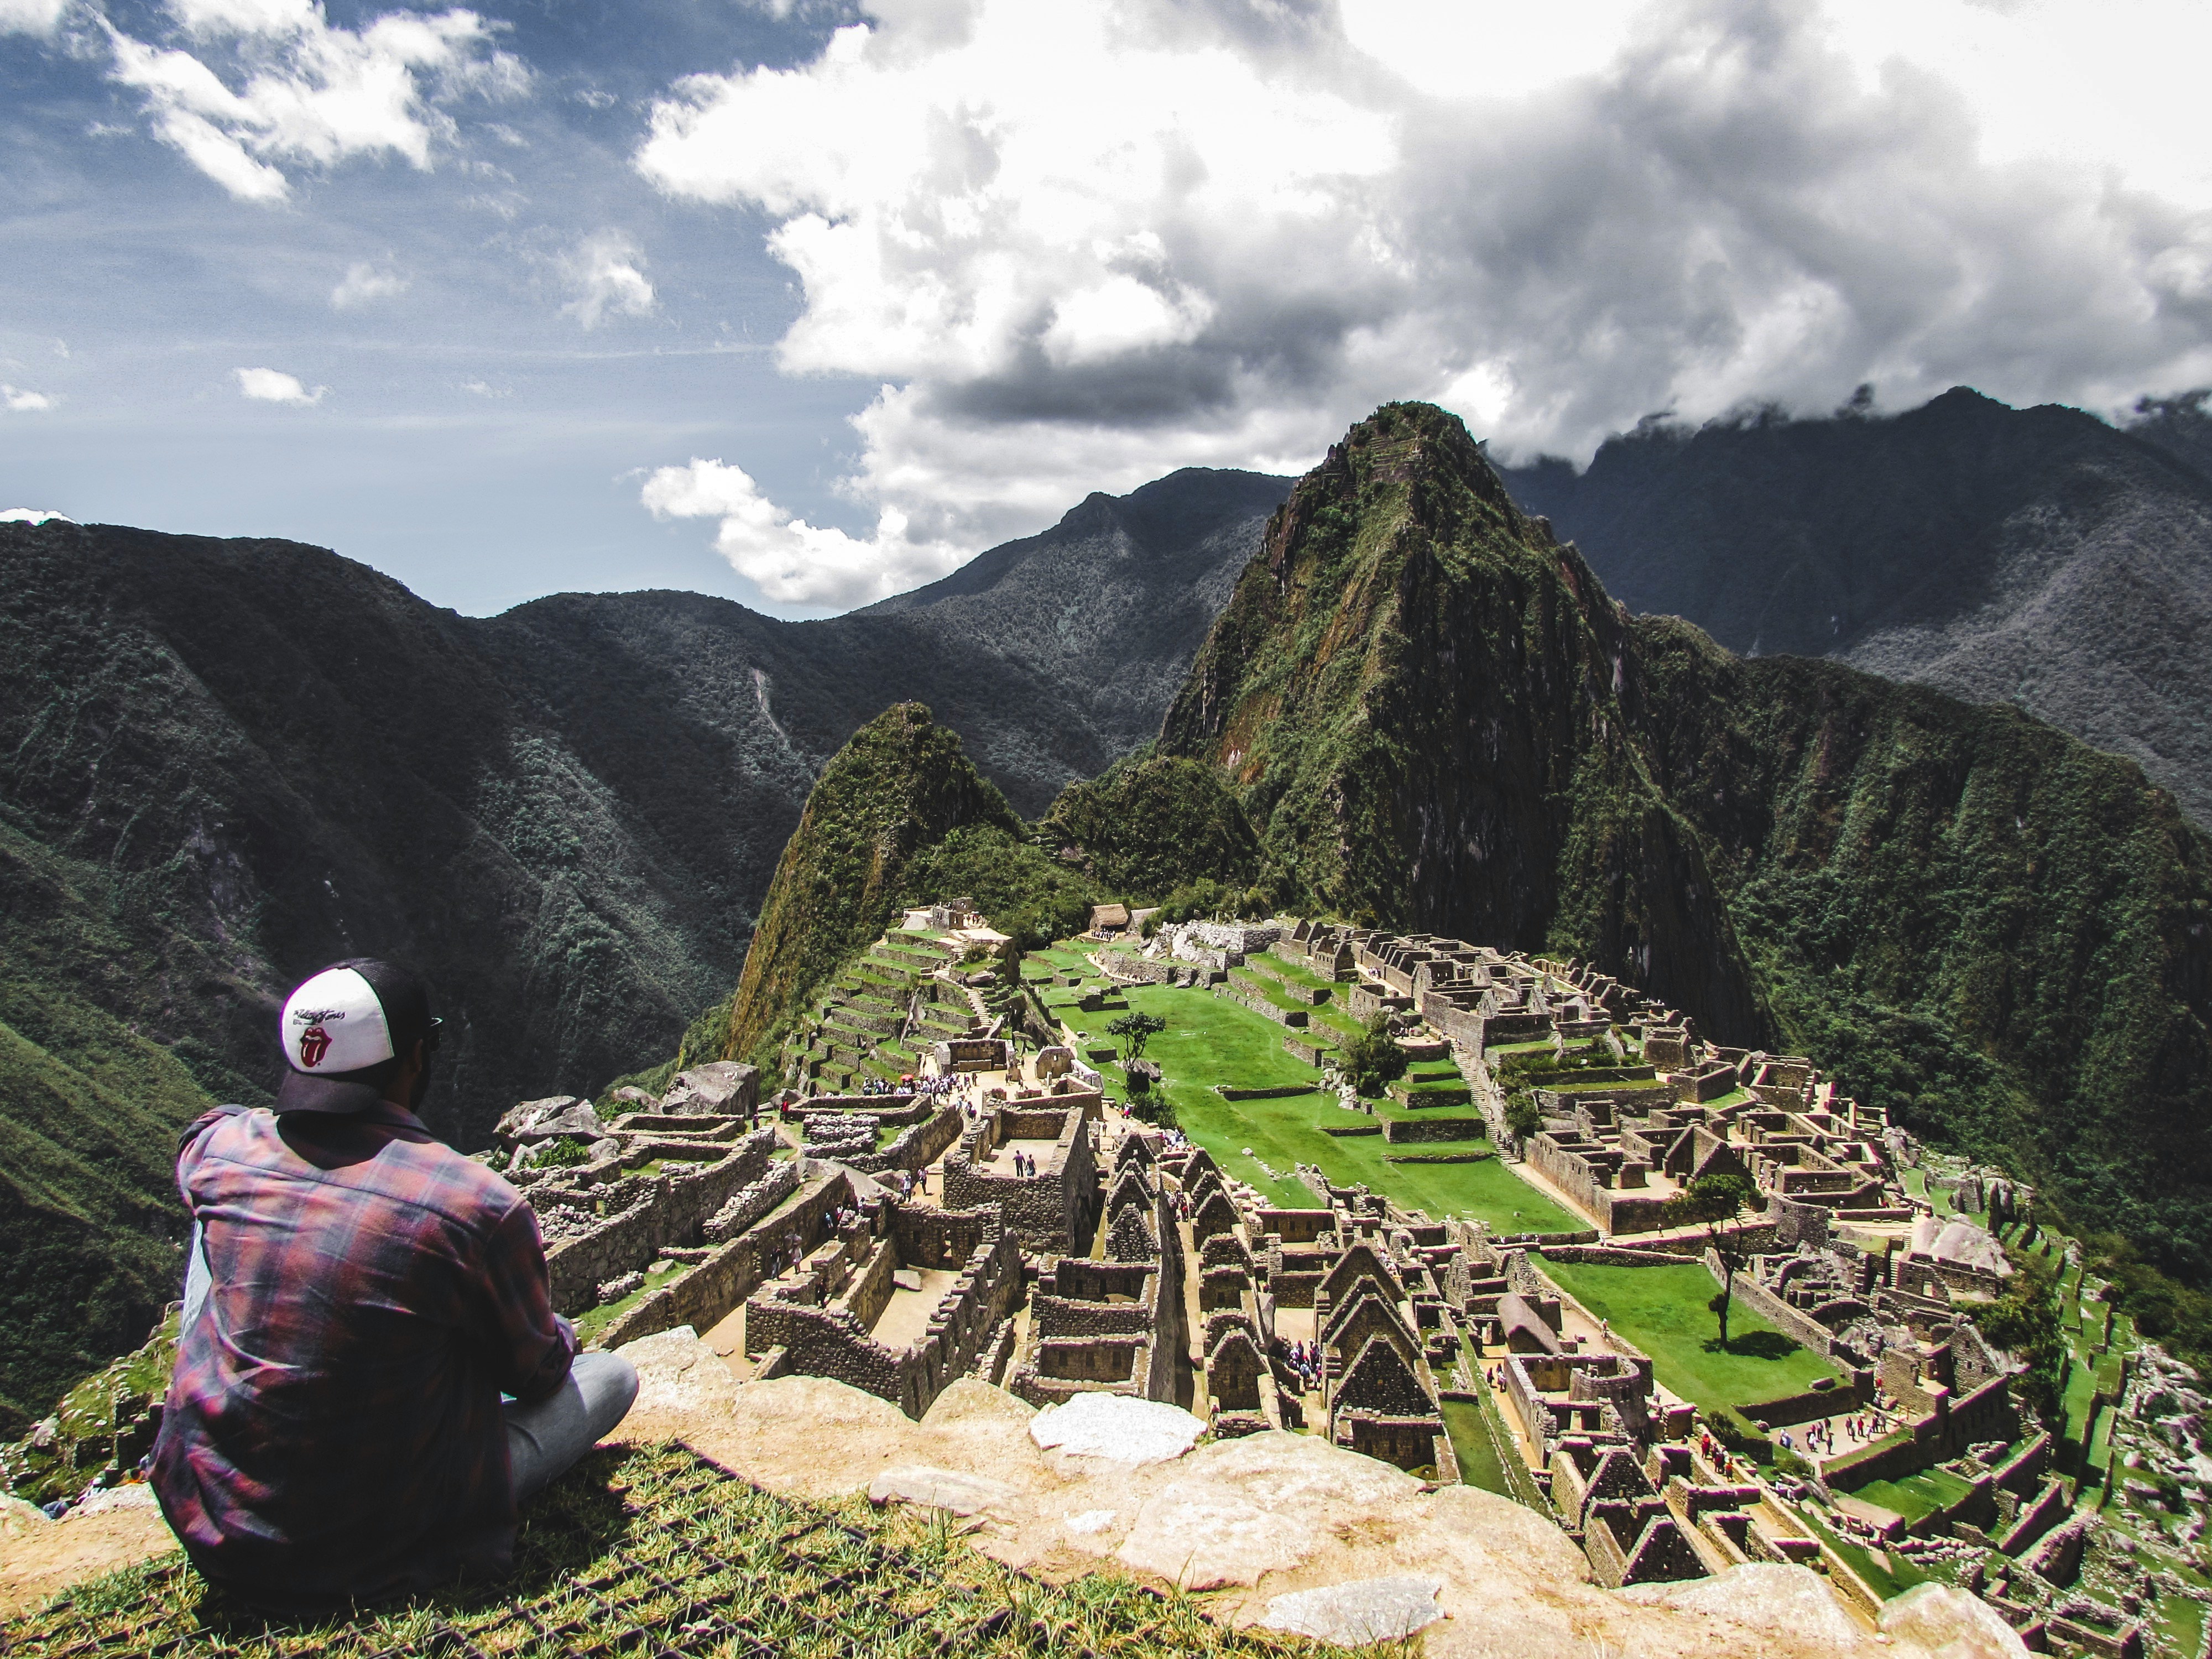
[334,1430]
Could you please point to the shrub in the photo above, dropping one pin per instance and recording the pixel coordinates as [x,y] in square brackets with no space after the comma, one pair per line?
[566,1153]
[1373,1060]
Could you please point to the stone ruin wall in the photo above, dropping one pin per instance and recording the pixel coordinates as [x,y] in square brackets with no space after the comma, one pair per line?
[1047,1210]
[712,1291]
[915,1148]
[1576,1175]
[1790,1321]
[673,1210]
[834,1342]
[1413,1131]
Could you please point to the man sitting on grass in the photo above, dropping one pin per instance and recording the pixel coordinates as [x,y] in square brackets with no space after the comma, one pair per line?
[358,1298]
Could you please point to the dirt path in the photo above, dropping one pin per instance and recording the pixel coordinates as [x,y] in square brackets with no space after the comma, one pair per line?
[38,1563]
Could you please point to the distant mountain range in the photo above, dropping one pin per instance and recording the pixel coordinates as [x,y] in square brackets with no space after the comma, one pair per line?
[2034,556]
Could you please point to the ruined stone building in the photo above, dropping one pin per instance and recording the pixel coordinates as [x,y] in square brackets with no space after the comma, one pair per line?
[858,1307]
[1050,1212]
[1112,1323]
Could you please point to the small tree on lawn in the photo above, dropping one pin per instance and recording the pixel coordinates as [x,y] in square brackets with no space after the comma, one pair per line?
[1135,1030]
[1715,1200]
[1374,1060]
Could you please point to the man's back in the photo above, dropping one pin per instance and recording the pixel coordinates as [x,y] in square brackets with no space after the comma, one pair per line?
[334,1428]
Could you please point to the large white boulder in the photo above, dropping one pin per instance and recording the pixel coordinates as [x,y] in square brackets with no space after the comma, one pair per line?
[1763,1595]
[1970,1246]
[677,1372]
[1356,1614]
[721,1088]
[1948,1623]
[941,1489]
[1118,1428]
[549,1119]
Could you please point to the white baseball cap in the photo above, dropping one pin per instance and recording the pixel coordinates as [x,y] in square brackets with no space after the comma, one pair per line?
[350,1016]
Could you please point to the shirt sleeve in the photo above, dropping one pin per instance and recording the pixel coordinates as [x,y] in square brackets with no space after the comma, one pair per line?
[530,1346]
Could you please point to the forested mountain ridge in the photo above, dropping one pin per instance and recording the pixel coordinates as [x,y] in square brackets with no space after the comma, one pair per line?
[1438,720]
[1110,604]
[224,763]
[2035,557]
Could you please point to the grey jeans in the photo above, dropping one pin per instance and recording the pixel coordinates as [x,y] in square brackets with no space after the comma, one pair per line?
[544,1439]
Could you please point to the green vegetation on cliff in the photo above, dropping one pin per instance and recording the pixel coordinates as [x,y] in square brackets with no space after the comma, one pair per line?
[91,1102]
[1419,696]
[1438,720]
[1981,924]
[1150,824]
[903,782]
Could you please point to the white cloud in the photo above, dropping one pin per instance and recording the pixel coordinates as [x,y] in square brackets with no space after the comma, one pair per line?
[363,283]
[22,402]
[309,94]
[273,386]
[486,389]
[605,272]
[792,562]
[31,516]
[32,16]
[1212,233]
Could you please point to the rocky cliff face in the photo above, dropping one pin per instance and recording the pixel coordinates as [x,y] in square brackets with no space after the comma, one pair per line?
[1440,721]
[1110,604]
[2033,556]
[1427,706]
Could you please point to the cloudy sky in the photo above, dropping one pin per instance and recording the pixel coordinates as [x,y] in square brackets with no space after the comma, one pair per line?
[805,303]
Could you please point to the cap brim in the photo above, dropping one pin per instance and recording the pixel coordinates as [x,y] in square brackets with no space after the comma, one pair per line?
[300,1092]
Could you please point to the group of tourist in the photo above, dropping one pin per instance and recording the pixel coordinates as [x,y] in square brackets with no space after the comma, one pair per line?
[1305,1360]
[1821,1438]
[1023,1164]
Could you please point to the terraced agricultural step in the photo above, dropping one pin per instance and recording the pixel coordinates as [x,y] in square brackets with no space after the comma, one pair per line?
[920,960]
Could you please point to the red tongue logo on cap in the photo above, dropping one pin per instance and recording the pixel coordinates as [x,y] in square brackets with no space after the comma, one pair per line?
[315,1042]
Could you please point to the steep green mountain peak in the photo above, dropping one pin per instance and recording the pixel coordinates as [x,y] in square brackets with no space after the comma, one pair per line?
[1420,695]
[900,782]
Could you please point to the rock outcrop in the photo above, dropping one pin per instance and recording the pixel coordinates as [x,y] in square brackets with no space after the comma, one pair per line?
[1288,1531]
[717,1089]
[537,1121]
